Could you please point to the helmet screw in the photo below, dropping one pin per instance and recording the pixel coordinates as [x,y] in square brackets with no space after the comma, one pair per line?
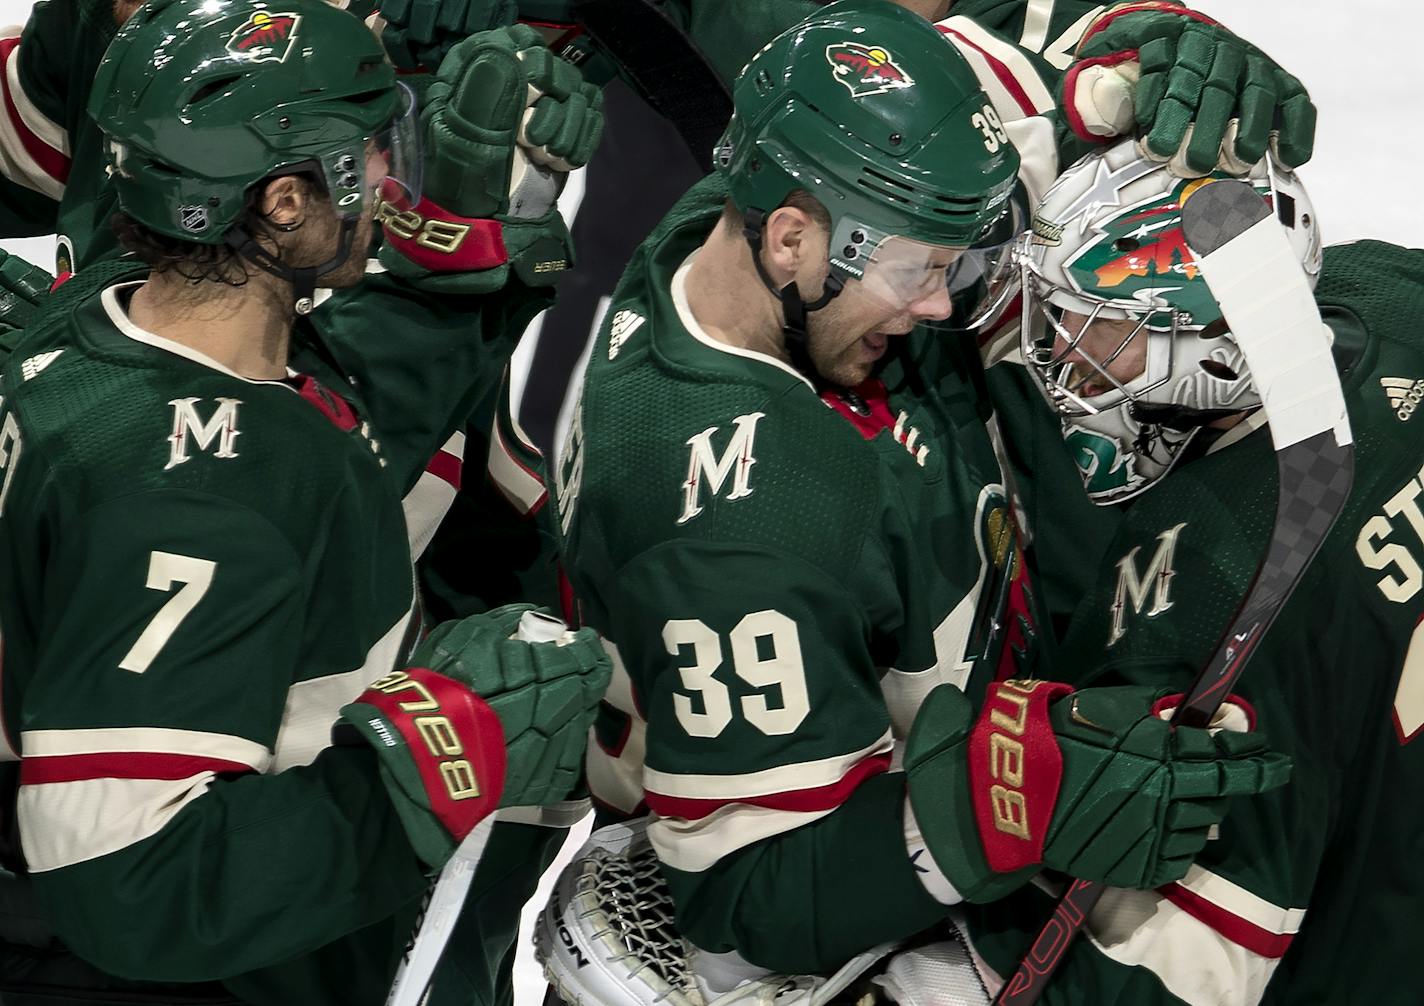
[763,81]
[348,181]
[850,251]
[754,165]
[214,202]
[857,237]
[346,163]
[284,122]
[896,139]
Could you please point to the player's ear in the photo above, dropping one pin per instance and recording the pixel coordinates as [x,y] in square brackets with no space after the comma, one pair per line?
[792,240]
[285,201]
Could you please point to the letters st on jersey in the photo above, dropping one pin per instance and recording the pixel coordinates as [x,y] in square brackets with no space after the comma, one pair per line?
[1380,546]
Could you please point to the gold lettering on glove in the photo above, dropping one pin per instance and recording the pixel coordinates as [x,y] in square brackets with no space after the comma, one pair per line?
[438,733]
[1009,716]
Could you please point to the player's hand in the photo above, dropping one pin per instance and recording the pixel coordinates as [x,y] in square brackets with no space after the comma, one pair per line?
[419,33]
[1200,97]
[23,290]
[503,124]
[494,712]
[1092,783]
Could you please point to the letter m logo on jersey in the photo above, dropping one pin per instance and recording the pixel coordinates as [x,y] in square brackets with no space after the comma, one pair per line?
[221,427]
[705,466]
[1132,589]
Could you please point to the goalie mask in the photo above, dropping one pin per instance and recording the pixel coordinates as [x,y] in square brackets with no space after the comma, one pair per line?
[1119,330]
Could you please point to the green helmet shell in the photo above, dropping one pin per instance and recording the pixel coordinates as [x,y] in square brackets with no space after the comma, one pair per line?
[201,99]
[869,108]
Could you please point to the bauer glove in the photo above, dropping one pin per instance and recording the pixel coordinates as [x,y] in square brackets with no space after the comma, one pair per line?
[488,715]
[503,124]
[23,290]
[1094,784]
[1202,97]
[419,33]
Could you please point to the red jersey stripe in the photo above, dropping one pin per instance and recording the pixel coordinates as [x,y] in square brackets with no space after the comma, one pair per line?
[35,771]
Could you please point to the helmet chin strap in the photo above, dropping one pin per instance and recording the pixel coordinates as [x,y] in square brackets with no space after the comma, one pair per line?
[302,278]
[793,308]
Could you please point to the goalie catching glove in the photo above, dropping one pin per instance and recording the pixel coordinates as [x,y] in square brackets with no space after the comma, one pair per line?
[1095,784]
[481,720]
[502,125]
[1203,97]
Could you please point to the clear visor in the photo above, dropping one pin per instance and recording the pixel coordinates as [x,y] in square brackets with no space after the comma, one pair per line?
[397,157]
[902,273]
[986,277]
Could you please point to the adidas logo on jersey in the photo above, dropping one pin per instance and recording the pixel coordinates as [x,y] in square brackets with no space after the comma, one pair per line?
[1404,395]
[32,367]
[624,324]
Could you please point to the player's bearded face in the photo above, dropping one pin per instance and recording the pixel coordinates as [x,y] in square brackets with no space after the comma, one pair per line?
[1110,343]
[848,337]
[320,236]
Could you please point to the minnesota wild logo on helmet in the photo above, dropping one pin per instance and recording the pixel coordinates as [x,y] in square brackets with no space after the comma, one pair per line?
[866,69]
[265,36]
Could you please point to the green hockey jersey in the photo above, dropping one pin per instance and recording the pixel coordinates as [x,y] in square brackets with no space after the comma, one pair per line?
[198,571]
[781,576]
[1310,892]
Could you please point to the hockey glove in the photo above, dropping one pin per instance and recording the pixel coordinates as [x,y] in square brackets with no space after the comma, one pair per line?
[482,720]
[23,289]
[419,33]
[1094,784]
[1203,97]
[503,124]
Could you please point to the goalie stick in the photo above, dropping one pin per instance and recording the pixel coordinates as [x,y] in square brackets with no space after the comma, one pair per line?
[1256,278]
[434,926]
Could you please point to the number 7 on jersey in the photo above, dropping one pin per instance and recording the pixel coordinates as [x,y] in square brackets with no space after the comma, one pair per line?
[164,570]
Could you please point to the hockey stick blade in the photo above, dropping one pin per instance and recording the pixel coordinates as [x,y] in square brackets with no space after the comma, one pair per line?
[1264,294]
[433,932]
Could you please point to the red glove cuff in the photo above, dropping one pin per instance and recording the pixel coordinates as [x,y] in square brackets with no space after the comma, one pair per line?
[1015,769]
[1156,5]
[436,239]
[454,738]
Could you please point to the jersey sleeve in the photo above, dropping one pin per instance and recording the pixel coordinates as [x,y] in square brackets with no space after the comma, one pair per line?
[422,364]
[34,143]
[148,805]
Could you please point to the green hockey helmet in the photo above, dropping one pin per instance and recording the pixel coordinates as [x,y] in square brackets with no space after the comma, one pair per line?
[867,107]
[199,100]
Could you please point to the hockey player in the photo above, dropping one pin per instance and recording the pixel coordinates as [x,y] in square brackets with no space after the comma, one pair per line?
[1299,900]
[205,552]
[785,568]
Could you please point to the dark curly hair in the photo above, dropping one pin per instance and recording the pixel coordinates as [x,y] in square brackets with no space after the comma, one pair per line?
[198,263]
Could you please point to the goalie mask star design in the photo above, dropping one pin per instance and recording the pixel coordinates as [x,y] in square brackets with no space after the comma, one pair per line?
[866,69]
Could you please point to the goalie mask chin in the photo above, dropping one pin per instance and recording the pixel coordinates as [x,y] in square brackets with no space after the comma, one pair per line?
[1119,456]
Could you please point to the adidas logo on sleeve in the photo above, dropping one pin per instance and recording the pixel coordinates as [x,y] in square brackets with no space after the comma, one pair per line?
[1404,395]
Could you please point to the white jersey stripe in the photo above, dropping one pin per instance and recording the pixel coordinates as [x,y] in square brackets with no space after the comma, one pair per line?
[1037,16]
[524,490]
[1242,903]
[144,740]
[767,782]
[996,61]
[430,499]
[16,162]
[1194,962]
[70,822]
[312,706]
[44,128]
[698,845]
